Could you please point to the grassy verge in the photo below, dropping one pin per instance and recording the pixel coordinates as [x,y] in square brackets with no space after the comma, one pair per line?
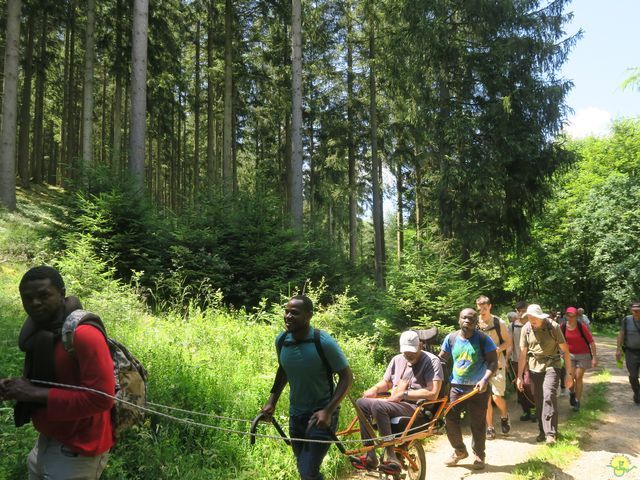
[548,461]
[217,361]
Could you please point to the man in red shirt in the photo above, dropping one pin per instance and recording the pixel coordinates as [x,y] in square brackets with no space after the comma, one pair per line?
[582,348]
[75,426]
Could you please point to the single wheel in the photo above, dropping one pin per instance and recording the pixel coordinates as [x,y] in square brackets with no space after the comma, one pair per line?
[414,461]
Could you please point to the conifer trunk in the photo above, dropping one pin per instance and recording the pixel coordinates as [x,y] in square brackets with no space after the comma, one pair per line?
[227,154]
[25,108]
[37,161]
[138,94]
[87,101]
[196,107]
[296,200]
[9,107]
[377,211]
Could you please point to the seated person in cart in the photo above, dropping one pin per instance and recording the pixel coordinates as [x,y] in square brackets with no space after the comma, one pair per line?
[411,376]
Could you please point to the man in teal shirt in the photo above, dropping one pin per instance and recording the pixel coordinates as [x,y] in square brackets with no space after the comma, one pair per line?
[308,359]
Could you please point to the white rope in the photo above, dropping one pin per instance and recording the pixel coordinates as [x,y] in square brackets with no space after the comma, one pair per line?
[188,421]
[203,414]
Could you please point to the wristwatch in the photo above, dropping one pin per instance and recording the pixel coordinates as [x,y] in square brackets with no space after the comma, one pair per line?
[405,395]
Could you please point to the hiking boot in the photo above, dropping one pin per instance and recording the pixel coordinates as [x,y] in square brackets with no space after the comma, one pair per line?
[505,426]
[572,399]
[541,437]
[455,458]
[525,417]
[550,440]
[478,463]
[491,433]
[576,406]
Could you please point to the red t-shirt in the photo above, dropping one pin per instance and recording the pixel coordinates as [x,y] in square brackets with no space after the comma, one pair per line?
[576,343]
[78,419]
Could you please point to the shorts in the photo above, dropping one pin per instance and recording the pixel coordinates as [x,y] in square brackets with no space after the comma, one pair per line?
[581,360]
[498,383]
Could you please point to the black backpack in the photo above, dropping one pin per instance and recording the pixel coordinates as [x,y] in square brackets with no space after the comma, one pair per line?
[282,342]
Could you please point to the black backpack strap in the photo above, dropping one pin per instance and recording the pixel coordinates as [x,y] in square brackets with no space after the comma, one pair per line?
[323,357]
[279,346]
[563,328]
[452,340]
[584,337]
[498,329]
[318,344]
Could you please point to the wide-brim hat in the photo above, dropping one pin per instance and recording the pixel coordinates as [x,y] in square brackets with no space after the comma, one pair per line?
[535,311]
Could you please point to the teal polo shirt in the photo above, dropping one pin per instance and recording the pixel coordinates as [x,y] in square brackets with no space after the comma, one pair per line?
[308,386]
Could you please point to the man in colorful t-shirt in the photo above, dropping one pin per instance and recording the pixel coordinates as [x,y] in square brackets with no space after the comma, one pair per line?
[307,363]
[474,361]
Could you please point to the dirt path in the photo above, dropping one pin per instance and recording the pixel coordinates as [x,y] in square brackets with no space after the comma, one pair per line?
[608,439]
[618,434]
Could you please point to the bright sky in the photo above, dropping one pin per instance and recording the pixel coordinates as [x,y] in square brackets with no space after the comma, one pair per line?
[599,64]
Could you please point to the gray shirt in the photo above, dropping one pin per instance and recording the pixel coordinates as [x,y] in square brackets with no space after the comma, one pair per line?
[515,329]
[632,334]
[426,370]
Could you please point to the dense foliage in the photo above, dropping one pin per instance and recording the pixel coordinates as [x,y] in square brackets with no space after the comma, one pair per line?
[214,361]
[584,249]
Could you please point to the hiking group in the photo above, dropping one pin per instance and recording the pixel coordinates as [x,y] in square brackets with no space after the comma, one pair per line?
[77,428]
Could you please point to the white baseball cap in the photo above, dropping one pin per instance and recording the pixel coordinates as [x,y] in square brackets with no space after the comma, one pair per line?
[409,342]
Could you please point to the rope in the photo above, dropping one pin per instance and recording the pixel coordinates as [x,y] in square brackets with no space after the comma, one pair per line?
[188,421]
[203,414]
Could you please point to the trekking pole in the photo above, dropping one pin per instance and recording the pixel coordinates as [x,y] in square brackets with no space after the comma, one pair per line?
[263,417]
[332,435]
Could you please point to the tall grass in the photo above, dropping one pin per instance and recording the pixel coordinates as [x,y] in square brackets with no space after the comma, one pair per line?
[216,361]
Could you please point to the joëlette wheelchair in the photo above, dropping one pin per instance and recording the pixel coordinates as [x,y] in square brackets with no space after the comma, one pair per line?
[407,432]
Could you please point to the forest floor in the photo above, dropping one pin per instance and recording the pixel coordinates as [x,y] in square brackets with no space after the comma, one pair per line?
[613,438]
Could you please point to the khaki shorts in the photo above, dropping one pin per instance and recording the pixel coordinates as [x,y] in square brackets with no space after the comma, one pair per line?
[498,383]
[581,360]
[51,460]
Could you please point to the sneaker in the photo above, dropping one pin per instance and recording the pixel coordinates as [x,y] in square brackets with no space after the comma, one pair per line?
[505,426]
[541,437]
[563,392]
[456,457]
[525,417]
[534,416]
[572,399]
[550,440]
[576,406]
[478,463]
[491,433]
[636,398]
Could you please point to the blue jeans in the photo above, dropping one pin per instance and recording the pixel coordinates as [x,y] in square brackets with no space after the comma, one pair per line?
[309,456]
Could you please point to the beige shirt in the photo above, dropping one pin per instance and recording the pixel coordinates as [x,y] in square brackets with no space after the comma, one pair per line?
[542,345]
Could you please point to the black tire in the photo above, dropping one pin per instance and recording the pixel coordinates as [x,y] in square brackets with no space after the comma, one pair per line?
[417,455]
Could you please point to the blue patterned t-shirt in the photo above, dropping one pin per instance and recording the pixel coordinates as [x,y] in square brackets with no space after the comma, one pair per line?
[469,361]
